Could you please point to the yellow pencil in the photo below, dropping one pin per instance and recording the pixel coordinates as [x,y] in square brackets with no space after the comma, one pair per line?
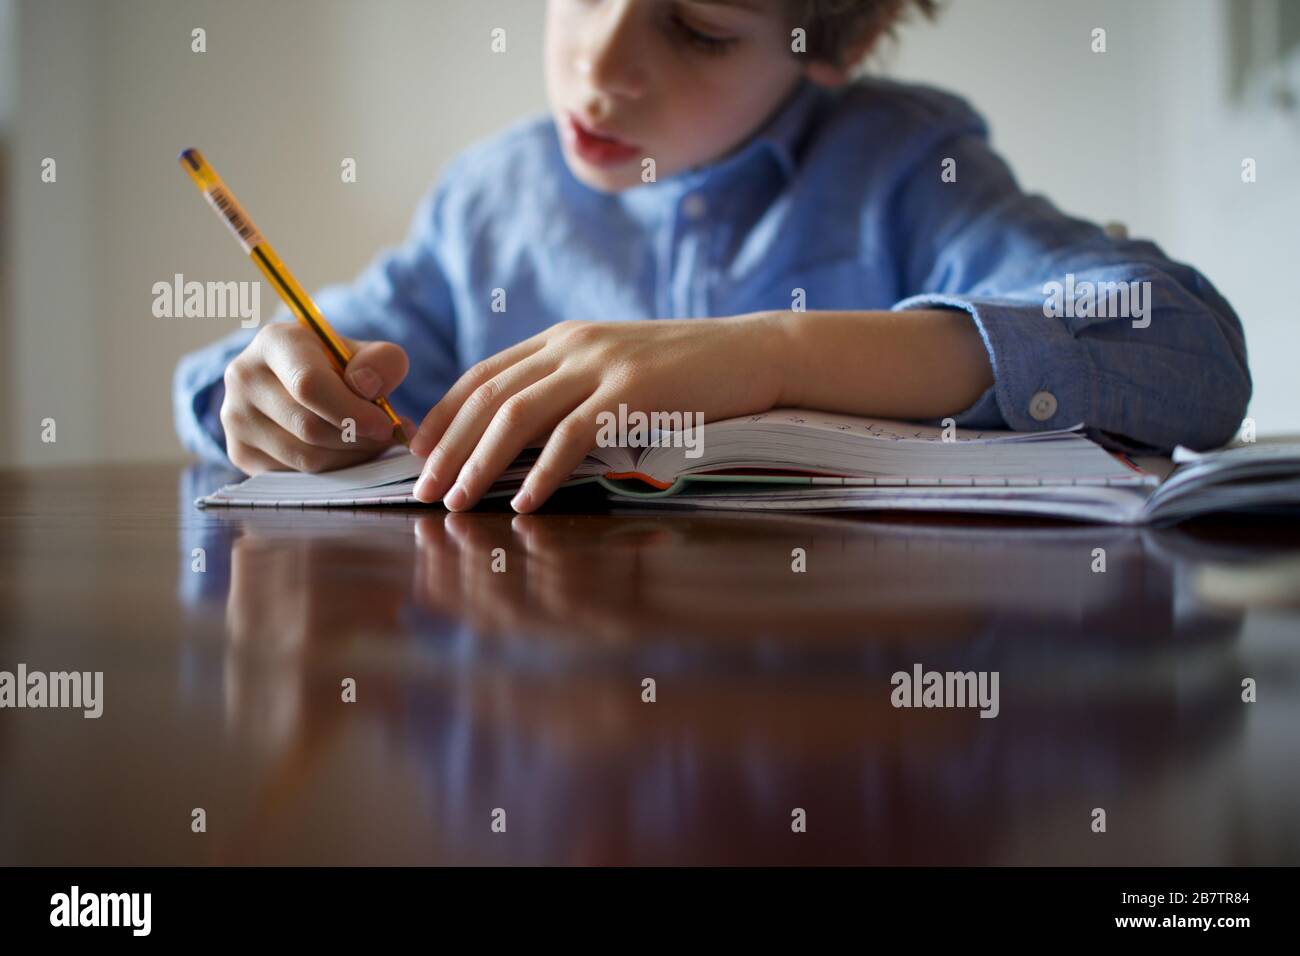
[277,273]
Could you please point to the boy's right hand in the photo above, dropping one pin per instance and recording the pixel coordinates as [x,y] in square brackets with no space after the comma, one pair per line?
[286,406]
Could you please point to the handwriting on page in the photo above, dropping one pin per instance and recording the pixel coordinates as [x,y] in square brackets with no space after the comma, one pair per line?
[884,431]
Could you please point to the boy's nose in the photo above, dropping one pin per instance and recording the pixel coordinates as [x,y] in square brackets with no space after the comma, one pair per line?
[609,75]
[609,59]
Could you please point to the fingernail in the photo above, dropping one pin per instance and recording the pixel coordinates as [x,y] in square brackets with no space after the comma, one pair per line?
[365,382]
[424,486]
[522,501]
[412,435]
[456,498]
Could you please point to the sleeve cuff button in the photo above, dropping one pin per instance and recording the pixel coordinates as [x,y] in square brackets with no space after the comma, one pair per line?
[1042,406]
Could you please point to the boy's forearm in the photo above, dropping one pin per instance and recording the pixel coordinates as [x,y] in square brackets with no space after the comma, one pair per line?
[907,364]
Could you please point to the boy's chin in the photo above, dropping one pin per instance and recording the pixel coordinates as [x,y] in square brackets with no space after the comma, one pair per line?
[605,179]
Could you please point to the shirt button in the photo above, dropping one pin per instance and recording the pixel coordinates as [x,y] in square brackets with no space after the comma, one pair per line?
[1042,406]
[694,206]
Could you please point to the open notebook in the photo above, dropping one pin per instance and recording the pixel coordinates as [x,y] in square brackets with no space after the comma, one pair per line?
[791,459]
[799,460]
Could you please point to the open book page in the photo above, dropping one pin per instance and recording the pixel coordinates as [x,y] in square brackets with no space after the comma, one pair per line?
[1241,478]
[1106,504]
[1266,448]
[1250,476]
[1268,456]
[831,446]
[391,474]
[825,443]
[389,479]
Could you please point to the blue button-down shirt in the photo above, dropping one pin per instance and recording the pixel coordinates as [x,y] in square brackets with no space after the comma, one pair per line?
[841,201]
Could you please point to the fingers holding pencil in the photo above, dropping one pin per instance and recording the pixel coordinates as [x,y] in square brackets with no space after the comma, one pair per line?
[285,401]
[299,370]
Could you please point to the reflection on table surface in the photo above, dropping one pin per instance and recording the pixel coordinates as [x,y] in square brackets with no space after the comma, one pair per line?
[499,662]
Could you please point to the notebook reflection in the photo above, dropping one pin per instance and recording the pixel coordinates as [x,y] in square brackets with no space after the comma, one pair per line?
[500,662]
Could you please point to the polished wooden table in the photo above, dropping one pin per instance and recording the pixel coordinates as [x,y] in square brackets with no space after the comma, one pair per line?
[521,690]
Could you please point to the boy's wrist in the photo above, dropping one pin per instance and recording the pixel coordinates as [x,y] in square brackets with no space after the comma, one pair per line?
[773,336]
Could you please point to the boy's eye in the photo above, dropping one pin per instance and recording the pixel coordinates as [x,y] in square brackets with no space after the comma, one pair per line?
[702,41]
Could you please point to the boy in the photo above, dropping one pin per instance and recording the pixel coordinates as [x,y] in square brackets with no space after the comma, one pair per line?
[805,241]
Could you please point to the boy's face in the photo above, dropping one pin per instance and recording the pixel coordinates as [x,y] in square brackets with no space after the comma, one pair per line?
[682,82]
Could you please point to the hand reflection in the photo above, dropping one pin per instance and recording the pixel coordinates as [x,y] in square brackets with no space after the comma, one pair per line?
[305,610]
[729,581]
[521,687]
[291,594]
[565,577]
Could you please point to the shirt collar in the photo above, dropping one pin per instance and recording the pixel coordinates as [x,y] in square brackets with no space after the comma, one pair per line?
[783,135]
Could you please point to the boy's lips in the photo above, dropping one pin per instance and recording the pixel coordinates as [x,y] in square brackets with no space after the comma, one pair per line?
[595,146]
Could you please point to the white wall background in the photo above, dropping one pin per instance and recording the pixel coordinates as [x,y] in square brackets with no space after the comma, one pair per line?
[285,91]
[1144,134]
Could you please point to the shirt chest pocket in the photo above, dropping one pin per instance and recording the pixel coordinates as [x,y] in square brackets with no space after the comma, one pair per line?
[846,283]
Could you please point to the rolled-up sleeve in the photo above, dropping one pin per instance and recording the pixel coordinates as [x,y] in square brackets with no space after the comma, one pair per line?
[403,296]
[1175,374]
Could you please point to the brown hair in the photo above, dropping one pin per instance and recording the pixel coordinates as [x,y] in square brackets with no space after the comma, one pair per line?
[834,27]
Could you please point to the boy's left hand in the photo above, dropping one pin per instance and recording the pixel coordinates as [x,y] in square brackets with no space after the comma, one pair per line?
[557,381]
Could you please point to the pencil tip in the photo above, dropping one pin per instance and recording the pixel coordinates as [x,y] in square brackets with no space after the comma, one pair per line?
[190,155]
[399,433]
